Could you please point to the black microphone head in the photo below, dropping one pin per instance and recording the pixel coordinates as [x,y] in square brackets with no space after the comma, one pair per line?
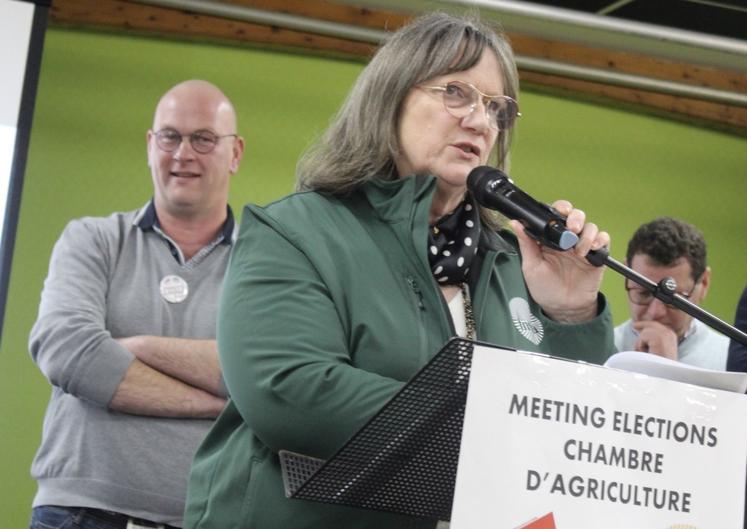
[478,179]
[493,189]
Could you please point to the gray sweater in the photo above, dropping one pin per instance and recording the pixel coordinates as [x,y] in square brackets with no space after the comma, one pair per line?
[701,347]
[103,284]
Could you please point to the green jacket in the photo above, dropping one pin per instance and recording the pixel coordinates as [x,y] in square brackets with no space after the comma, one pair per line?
[328,308]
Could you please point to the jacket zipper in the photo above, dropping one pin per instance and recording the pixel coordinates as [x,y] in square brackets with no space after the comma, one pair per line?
[416,289]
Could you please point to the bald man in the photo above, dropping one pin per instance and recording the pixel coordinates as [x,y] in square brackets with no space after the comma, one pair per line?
[126,330]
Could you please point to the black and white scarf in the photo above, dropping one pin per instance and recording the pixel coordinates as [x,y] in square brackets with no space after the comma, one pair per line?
[452,244]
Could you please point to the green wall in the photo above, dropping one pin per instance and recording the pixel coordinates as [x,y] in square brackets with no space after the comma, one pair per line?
[87,157]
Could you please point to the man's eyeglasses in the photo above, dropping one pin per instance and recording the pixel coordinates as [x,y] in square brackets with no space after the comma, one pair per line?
[640,296]
[202,141]
[460,100]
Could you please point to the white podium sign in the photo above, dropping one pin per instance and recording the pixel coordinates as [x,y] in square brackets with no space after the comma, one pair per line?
[577,446]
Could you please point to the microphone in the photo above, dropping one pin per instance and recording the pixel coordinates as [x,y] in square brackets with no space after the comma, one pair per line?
[493,189]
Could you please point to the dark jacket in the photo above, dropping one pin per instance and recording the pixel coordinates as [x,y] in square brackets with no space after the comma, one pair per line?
[328,308]
[737,360]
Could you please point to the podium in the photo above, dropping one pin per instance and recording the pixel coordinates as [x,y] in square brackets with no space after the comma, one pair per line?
[502,426]
[404,460]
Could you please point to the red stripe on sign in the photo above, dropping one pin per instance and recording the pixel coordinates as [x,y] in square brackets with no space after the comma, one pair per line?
[546,522]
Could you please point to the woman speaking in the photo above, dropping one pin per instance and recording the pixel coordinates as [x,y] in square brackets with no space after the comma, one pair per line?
[336,295]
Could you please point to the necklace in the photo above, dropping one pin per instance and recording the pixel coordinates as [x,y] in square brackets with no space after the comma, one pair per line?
[469,316]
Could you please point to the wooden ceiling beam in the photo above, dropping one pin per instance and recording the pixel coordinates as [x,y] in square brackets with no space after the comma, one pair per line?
[329,11]
[728,118]
[138,18]
[630,63]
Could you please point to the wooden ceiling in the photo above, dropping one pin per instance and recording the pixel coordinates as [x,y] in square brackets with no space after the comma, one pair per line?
[718,98]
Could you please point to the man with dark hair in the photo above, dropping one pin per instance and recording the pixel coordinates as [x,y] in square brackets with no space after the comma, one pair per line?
[667,247]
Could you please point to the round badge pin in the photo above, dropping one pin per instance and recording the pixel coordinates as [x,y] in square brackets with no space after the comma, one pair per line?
[174,289]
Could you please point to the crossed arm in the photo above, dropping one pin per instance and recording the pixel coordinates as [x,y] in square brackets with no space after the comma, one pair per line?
[170,377]
[71,342]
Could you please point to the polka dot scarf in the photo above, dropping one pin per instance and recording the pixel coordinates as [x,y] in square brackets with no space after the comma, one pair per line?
[452,244]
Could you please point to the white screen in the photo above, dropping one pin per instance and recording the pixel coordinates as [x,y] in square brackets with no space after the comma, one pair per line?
[21,39]
[15,29]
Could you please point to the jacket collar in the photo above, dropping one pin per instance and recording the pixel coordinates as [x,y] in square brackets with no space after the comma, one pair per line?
[496,241]
[397,200]
[393,200]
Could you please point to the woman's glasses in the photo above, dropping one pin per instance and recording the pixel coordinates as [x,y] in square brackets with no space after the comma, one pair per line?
[460,100]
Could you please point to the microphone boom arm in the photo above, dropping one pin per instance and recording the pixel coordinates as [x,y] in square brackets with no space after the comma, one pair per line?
[664,291]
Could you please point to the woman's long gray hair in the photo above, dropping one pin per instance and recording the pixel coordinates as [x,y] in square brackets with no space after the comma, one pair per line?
[362,141]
